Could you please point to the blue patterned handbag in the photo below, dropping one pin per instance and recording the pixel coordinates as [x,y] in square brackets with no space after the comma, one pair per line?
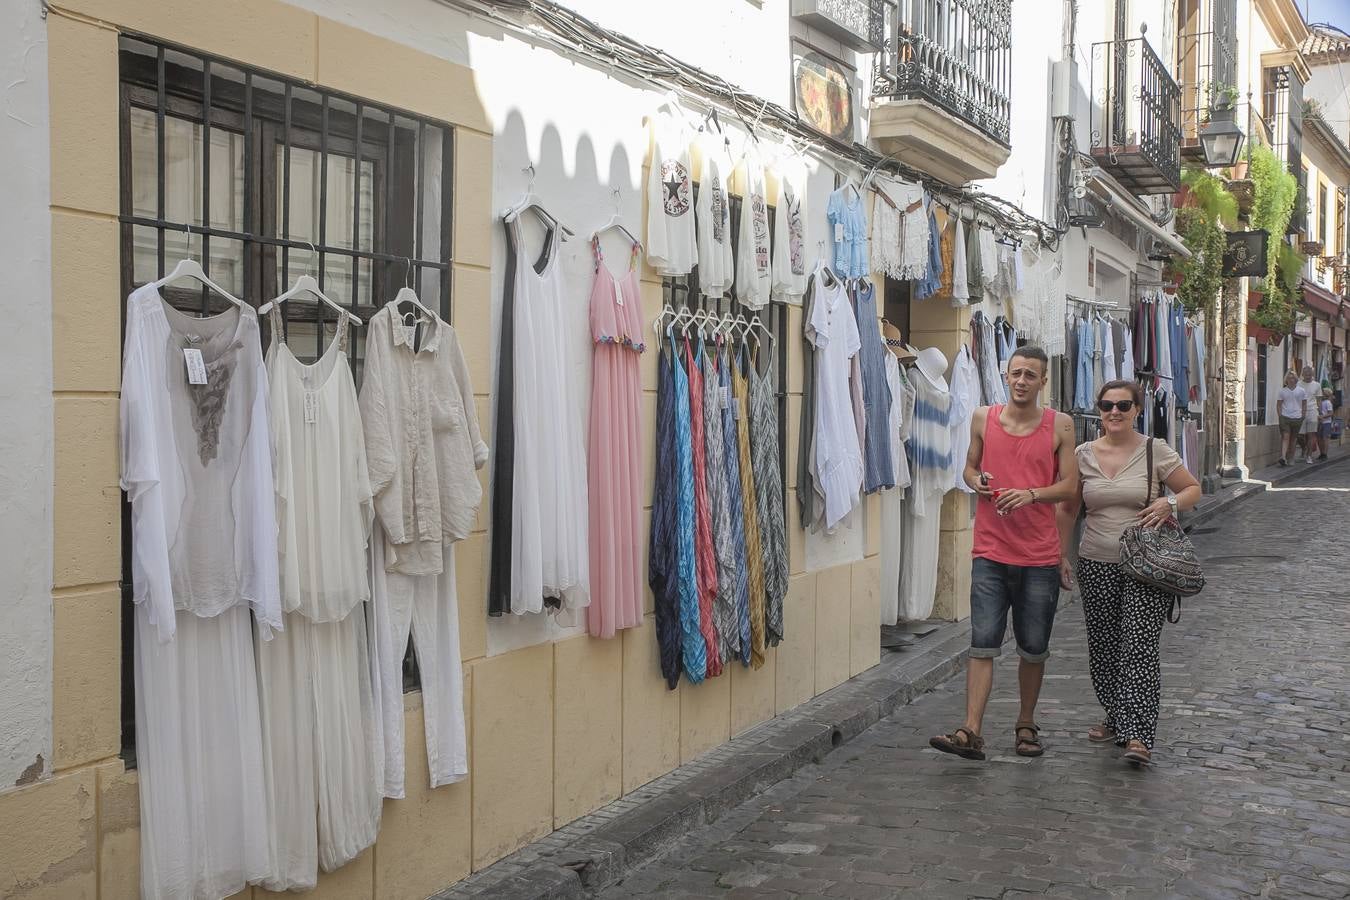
[1161,557]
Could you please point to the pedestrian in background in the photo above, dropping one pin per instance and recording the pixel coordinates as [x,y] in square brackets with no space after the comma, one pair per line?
[1324,422]
[1124,617]
[1020,465]
[1293,407]
[1310,428]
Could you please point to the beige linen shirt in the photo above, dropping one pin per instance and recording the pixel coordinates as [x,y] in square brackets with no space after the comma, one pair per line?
[422,440]
[1113,504]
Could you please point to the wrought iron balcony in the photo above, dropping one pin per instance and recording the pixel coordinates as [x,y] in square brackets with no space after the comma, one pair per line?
[1206,68]
[956,55]
[860,24]
[1136,117]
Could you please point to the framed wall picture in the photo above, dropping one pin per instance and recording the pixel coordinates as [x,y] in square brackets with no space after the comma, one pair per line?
[822,91]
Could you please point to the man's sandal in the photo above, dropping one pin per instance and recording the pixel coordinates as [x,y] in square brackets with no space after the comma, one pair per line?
[1137,754]
[1028,739]
[1100,734]
[963,742]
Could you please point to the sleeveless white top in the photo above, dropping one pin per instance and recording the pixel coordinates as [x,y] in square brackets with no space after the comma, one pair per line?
[323,496]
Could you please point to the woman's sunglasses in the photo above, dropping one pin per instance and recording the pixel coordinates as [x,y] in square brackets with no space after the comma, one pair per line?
[1118,405]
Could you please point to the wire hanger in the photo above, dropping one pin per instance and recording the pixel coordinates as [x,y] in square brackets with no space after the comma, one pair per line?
[189,267]
[532,203]
[406,294]
[307,284]
[616,222]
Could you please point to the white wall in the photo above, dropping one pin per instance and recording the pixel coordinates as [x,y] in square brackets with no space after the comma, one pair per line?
[25,400]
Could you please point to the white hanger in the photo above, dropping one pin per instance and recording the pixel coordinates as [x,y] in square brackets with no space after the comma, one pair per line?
[406,294]
[666,311]
[616,221]
[307,284]
[756,322]
[189,267]
[531,201]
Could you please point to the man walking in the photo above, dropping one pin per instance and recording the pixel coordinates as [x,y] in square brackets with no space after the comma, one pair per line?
[1310,430]
[1293,408]
[1021,463]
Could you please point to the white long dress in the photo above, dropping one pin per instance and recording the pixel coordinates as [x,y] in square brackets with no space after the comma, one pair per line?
[550,553]
[833,331]
[893,501]
[196,465]
[930,456]
[323,757]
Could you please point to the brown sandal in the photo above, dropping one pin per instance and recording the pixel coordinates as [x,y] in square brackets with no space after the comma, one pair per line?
[1137,754]
[1100,734]
[1028,746]
[963,742]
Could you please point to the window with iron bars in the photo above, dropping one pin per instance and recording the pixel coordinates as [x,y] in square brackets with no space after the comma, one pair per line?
[263,178]
[684,291]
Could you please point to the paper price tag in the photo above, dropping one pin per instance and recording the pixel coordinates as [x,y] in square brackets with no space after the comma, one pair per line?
[311,407]
[838,232]
[723,397]
[196,368]
[736,408]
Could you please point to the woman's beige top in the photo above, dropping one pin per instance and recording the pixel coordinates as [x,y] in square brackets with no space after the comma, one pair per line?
[1113,504]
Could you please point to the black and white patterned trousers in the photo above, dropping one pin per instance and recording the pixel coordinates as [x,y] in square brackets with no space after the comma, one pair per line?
[1124,623]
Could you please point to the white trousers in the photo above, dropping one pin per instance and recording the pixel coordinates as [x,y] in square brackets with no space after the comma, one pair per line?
[324,756]
[199,758]
[892,546]
[919,550]
[425,606]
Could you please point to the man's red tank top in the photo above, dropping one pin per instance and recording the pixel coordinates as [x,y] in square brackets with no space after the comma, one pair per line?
[1026,536]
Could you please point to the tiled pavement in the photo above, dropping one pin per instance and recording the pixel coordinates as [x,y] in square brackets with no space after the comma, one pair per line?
[1249,797]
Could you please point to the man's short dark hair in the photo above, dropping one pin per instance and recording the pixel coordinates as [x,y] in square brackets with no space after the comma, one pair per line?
[1030,351]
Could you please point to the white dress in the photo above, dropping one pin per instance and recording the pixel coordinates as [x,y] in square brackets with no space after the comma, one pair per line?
[833,330]
[322,754]
[930,453]
[671,247]
[754,267]
[893,501]
[550,526]
[965,399]
[196,466]
[716,262]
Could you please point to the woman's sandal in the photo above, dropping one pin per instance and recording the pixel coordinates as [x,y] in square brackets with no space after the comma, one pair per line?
[1100,734]
[1028,746]
[1137,754]
[963,742]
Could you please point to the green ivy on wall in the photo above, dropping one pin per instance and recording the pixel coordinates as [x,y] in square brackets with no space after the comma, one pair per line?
[1201,222]
[1276,191]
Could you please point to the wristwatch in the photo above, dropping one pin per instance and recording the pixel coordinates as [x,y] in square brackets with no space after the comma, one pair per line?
[1172,502]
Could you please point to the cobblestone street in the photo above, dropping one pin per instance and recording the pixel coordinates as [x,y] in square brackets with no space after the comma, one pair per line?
[1248,795]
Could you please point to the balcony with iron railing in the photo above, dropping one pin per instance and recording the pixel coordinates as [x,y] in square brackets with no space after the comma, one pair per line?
[1136,117]
[859,24]
[941,87]
[1206,66]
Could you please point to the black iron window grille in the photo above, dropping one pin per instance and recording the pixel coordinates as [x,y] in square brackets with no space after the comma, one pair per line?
[955,54]
[1282,104]
[262,178]
[861,24]
[1206,65]
[679,292]
[1136,117]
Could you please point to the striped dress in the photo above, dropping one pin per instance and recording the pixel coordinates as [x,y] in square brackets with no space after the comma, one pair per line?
[686,565]
[661,569]
[769,496]
[705,554]
[735,506]
[724,604]
[754,550]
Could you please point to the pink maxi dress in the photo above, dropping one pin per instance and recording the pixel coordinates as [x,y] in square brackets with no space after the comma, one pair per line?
[614,460]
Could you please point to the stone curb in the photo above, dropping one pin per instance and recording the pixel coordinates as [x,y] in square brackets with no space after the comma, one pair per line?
[1252,488]
[597,850]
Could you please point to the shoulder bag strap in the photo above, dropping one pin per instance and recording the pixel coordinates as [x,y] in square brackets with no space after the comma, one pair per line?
[1149,453]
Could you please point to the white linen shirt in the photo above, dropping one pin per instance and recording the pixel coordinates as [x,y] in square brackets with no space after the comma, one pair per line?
[422,440]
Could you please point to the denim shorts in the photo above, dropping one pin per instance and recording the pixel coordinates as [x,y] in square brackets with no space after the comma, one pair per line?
[1031,592]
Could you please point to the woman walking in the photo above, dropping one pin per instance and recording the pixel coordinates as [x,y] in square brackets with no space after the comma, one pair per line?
[1124,617]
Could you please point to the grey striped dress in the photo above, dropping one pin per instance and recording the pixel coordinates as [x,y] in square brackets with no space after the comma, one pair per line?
[769,497]
[724,604]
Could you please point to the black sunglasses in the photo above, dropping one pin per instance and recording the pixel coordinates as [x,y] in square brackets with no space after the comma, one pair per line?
[1119,405]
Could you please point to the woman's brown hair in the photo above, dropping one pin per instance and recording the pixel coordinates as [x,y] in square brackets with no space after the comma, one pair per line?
[1122,385]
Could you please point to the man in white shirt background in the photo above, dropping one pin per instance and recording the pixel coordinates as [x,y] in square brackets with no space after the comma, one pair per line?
[1312,390]
[1293,408]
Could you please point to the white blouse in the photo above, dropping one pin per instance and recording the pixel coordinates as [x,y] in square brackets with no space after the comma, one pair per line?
[422,440]
[833,331]
[324,503]
[197,464]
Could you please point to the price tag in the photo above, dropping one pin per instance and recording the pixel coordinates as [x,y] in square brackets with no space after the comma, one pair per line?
[736,408]
[723,397]
[838,232]
[311,407]
[196,368]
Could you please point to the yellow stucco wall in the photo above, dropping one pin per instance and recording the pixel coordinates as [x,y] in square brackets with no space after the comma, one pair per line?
[555,730]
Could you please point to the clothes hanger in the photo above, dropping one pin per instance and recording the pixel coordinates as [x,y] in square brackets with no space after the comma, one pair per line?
[616,222]
[406,294]
[756,322]
[189,267]
[307,284]
[532,203]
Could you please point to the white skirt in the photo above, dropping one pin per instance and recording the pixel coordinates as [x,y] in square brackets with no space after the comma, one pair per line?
[199,756]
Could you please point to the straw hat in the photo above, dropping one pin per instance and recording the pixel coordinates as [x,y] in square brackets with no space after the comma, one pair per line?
[895,344]
[933,365]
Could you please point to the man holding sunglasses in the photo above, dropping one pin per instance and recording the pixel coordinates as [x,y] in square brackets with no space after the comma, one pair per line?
[1020,464]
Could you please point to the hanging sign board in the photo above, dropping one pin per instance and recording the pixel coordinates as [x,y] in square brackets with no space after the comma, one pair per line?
[1245,255]
[1303,328]
[1322,330]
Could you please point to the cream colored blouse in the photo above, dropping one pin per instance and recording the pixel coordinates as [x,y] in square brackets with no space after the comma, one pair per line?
[1113,504]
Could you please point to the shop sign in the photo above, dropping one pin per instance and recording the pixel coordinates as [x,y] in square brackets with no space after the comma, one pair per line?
[822,93]
[1322,331]
[1245,255]
[1303,328]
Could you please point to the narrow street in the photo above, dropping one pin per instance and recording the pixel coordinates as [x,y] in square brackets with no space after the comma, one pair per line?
[1248,796]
